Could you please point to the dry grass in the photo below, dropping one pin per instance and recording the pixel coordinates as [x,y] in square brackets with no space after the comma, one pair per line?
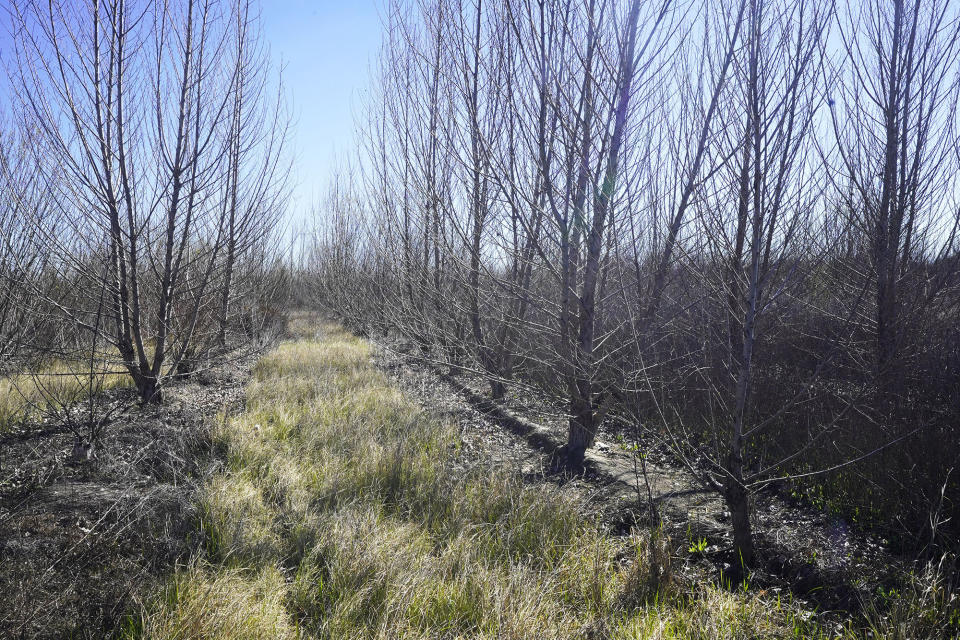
[204,602]
[341,514]
[56,385]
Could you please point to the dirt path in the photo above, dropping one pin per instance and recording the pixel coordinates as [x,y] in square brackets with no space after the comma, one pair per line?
[812,555]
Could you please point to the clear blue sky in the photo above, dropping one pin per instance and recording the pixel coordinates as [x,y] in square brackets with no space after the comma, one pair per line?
[327,48]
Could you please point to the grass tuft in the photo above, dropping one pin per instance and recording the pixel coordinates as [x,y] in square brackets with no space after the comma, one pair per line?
[213,602]
[58,384]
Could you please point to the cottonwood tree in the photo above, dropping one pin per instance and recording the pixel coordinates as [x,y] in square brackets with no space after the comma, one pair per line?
[640,209]
[481,119]
[497,212]
[142,105]
[894,116]
[895,120]
[337,257]
[18,258]
[412,181]
[598,137]
[256,166]
[759,216]
[682,155]
[28,344]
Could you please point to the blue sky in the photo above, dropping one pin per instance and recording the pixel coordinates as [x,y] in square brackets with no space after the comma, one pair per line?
[327,48]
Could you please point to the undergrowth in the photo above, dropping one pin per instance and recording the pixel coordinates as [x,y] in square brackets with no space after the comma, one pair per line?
[344,510]
[58,384]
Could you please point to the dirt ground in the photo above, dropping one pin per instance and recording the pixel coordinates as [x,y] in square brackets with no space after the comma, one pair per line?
[803,553]
[81,542]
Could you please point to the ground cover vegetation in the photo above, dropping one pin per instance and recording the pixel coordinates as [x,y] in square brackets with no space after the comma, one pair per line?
[345,510]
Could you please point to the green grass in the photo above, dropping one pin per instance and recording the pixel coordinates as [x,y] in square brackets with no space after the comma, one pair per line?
[342,512]
[208,602]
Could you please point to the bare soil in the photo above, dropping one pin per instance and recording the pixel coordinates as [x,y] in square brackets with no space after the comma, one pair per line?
[82,542]
[817,559]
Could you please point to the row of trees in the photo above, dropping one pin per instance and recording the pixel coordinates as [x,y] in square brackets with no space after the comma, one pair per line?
[143,180]
[734,223]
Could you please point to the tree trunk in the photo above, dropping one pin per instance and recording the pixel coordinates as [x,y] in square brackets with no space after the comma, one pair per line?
[886,240]
[738,501]
[149,390]
[582,425]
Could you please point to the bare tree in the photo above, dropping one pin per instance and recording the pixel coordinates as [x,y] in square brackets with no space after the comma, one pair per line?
[895,121]
[21,263]
[142,106]
[256,165]
[579,308]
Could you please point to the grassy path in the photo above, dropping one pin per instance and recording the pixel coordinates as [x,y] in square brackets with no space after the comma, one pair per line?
[341,513]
